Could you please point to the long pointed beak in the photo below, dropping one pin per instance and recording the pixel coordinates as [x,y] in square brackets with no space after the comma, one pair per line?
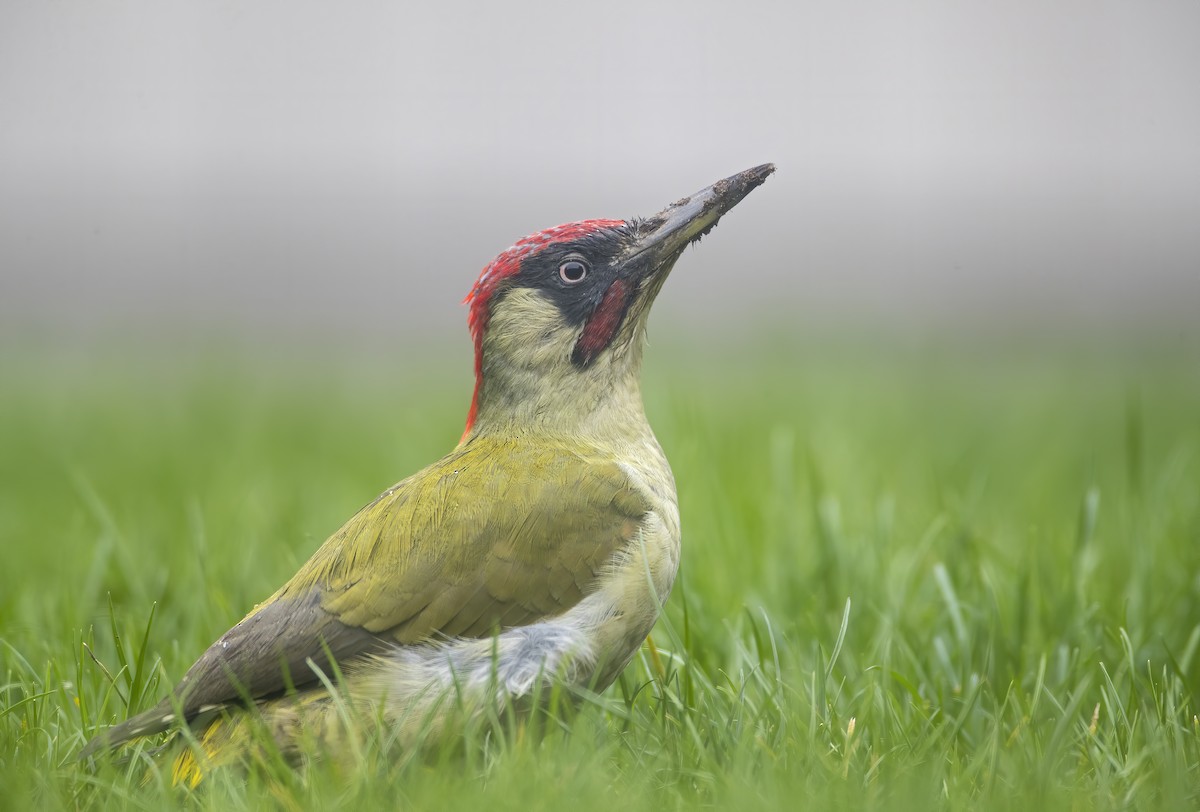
[667,233]
[656,242]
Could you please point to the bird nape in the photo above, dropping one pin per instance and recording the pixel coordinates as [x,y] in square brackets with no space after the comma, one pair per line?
[536,554]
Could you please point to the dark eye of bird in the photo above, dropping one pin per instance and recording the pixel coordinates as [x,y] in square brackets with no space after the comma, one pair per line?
[572,271]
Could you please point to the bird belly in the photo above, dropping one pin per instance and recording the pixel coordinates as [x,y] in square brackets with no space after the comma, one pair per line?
[625,607]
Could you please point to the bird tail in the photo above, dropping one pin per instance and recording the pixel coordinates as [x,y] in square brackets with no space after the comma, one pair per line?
[156,720]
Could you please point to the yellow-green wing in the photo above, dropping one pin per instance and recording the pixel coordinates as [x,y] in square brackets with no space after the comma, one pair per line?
[498,534]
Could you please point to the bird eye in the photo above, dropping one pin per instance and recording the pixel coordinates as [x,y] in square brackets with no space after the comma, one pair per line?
[572,271]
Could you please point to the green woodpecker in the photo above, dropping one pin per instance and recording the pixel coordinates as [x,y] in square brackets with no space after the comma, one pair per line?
[537,552]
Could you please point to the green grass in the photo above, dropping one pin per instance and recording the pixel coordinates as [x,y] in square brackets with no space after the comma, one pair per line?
[913,578]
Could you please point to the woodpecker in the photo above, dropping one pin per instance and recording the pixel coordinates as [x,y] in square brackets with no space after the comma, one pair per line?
[538,552]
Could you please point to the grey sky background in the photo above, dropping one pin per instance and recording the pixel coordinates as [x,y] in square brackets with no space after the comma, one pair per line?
[347,168]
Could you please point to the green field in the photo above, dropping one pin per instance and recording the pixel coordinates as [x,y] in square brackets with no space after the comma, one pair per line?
[916,575]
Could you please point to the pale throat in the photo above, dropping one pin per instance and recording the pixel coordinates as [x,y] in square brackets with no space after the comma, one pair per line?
[529,383]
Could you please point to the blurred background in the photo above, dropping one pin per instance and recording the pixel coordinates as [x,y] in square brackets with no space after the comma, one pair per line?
[280,171]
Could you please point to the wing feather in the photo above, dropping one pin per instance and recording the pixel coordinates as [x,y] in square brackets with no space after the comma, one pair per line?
[500,533]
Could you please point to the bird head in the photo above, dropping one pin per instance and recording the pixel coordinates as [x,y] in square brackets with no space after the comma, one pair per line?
[559,318]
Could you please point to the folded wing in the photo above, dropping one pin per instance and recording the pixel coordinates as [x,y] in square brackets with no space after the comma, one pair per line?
[495,535]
